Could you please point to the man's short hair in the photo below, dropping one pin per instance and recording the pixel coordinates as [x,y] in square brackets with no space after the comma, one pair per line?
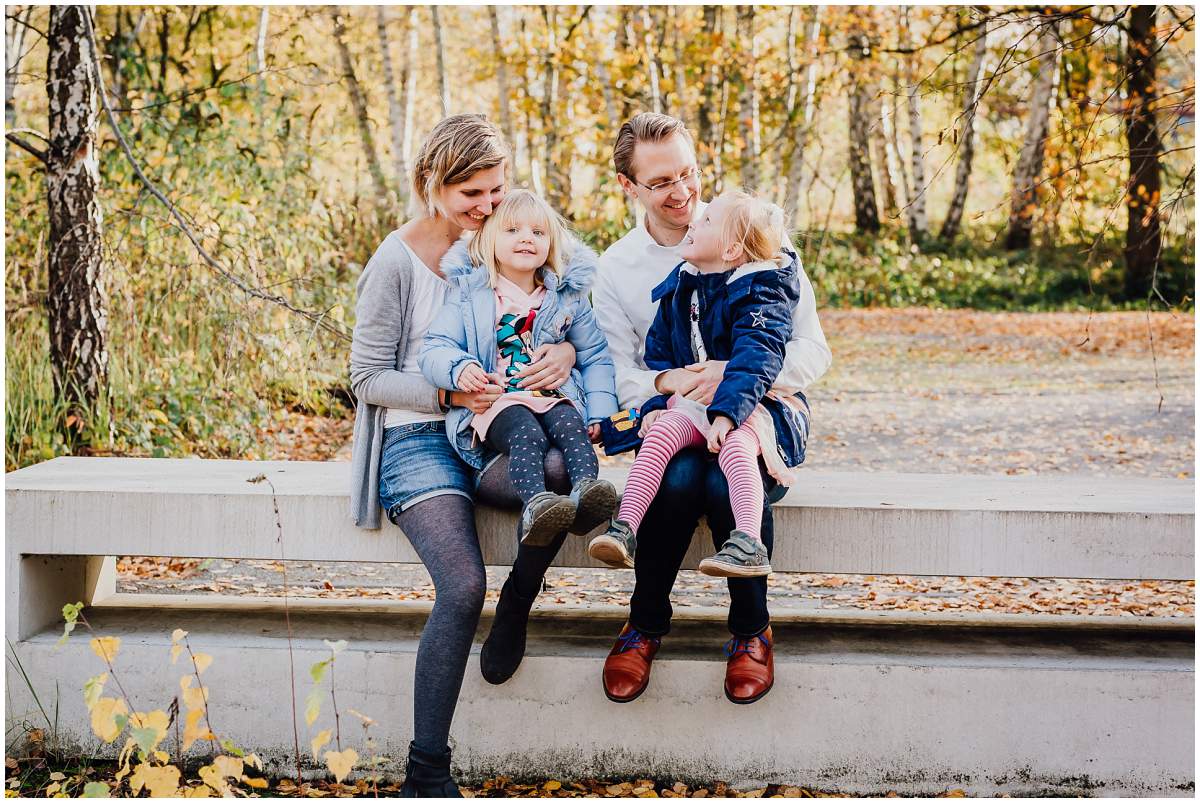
[644,127]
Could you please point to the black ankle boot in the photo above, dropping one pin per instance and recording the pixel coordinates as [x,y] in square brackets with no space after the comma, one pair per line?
[505,645]
[428,775]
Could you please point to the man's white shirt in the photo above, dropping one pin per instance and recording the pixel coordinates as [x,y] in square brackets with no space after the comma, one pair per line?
[632,267]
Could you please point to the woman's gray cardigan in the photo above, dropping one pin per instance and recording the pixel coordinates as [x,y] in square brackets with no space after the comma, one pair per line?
[382,325]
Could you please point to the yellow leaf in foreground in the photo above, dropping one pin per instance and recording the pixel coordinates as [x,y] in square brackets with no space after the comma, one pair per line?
[551,786]
[229,766]
[212,776]
[194,698]
[254,783]
[197,791]
[203,661]
[104,717]
[177,635]
[341,763]
[178,648]
[156,720]
[319,741]
[158,781]
[106,647]
[192,729]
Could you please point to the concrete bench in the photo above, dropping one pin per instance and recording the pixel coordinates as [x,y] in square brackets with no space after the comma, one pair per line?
[971,703]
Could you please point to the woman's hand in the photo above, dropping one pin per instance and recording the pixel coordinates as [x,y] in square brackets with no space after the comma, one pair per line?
[648,421]
[472,378]
[478,402]
[708,378]
[552,364]
[717,433]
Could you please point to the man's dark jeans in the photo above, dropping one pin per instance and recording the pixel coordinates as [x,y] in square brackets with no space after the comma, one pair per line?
[694,486]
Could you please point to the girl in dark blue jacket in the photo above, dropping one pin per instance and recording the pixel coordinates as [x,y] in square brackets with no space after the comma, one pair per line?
[732,299]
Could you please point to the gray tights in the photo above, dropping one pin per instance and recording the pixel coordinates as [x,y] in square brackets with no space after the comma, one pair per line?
[442,531]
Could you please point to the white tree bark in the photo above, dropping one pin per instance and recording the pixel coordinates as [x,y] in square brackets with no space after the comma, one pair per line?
[918,221]
[439,49]
[881,139]
[966,140]
[596,22]
[1033,149]
[501,73]
[652,67]
[791,202]
[748,124]
[397,120]
[15,26]
[682,104]
[78,299]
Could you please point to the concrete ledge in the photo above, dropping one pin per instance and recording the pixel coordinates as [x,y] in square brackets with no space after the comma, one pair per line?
[234,603]
[861,710]
[882,523]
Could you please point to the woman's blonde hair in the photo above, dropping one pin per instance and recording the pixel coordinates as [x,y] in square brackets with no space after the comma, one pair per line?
[457,148]
[519,206]
[756,224]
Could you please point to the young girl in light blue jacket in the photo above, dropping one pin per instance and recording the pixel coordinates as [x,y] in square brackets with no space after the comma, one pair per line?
[520,284]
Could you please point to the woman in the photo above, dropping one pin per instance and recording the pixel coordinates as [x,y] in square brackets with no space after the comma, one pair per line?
[404,464]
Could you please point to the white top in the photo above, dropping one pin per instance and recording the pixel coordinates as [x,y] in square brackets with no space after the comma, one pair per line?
[429,290]
[632,267]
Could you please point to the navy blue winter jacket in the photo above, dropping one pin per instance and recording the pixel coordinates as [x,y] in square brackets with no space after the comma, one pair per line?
[746,319]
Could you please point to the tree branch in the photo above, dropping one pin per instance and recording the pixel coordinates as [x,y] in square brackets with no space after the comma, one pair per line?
[39,154]
[318,319]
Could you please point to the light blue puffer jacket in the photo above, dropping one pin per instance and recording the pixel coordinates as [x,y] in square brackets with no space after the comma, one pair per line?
[464,331]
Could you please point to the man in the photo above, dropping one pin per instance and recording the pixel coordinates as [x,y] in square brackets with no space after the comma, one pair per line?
[655,162]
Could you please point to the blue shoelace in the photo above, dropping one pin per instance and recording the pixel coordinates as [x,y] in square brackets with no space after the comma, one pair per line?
[634,638]
[737,646]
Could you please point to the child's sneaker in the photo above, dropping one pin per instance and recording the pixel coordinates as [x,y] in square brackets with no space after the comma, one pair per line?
[616,546]
[545,517]
[740,556]
[595,501]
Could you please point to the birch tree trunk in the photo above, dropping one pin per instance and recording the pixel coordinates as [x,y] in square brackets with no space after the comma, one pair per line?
[681,105]
[443,90]
[396,102]
[603,76]
[552,174]
[1033,150]
[918,221]
[14,44]
[501,73]
[966,140]
[652,66]
[1143,235]
[748,128]
[359,101]
[866,213]
[791,202]
[886,158]
[709,112]
[78,300]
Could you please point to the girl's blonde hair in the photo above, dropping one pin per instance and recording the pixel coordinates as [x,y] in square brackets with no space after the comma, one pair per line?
[518,206]
[457,148]
[758,225]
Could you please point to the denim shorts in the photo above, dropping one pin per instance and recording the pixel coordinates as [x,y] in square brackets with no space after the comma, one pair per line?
[418,463]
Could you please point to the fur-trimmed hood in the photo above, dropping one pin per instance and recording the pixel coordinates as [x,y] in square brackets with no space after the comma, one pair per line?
[578,273]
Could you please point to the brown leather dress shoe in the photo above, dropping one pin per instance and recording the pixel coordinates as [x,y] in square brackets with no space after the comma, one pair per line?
[627,667]
[750,671]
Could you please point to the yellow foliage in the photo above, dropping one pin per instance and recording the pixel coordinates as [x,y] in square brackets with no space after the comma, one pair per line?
[106,647]
[212,776]
[194,698]
[178,648]
[197,791]
[158,781]
[156,720]
[192,730]
[104,716]
[93,688]
[319,741]
[341,763]
[254,783]
[203,661]
[229,766]
[177,635]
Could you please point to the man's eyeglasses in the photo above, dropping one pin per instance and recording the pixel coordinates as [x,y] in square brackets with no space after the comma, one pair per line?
[665,186]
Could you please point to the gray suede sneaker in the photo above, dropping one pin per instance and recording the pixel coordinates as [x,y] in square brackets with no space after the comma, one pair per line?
[595,501]
[616,546]
[545,516]
[740,556]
